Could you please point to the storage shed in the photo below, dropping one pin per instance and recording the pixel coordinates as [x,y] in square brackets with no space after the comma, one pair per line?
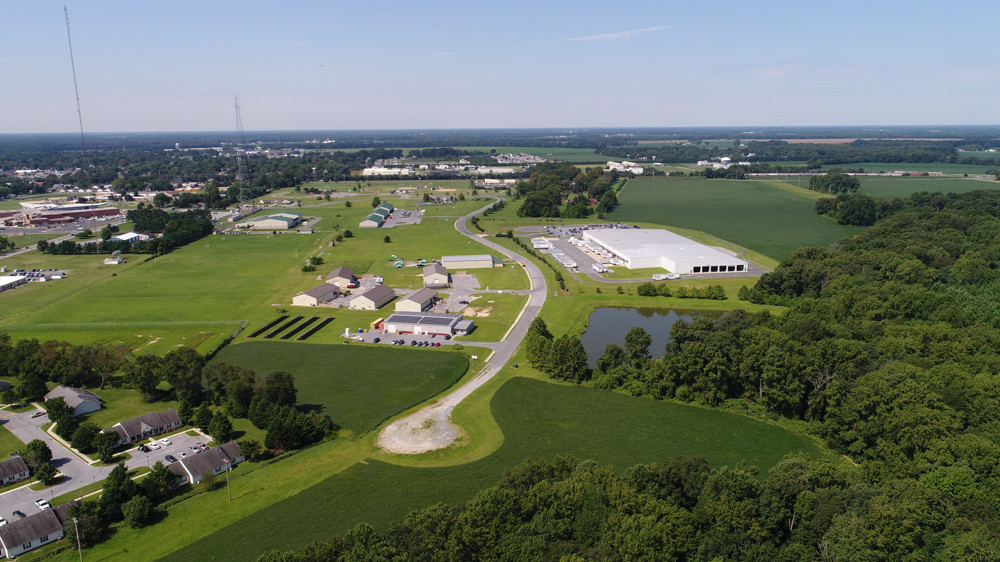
[317,295]
[373,299]
[417,301]
[436,276]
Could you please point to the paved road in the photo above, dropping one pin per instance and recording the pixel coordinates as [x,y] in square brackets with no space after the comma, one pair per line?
[75,470]
[431,428]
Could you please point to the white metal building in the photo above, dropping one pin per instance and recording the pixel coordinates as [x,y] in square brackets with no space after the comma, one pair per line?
[467,262]
[8,282]
[428,323]
[645,248]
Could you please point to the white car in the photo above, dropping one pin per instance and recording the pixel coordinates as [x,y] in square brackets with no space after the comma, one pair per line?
[42,504]
[2,521]
[166,442]
[154,445]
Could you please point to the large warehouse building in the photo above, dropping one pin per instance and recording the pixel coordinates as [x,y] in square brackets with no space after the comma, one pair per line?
[428,323]
[475,261]
[642,248]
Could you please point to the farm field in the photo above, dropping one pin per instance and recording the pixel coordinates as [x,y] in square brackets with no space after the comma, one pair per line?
[748,213]
[897,187]
[913,167]
[538,419]
[393,378]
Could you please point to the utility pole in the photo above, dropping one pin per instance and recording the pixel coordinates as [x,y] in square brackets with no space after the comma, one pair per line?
[76,525]
[229,487]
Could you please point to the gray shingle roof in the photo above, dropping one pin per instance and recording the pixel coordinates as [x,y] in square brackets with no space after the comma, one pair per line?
[30,529]
[73,396]
[141,424]
[15,465]
[378,292]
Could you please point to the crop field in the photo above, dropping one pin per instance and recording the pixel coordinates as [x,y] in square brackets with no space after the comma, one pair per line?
[358,386]
[539,420]
[749,213]
[893,187]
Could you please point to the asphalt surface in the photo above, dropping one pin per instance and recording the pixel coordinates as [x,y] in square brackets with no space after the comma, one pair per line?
[431,428]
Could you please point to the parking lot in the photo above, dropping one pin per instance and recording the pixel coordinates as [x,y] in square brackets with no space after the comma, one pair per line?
[181,446]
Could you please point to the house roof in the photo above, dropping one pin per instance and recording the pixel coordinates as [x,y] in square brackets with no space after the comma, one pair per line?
[435,268]
[377,293]
[15,465]
[341,273]
[29,529]
[141,424]
[421,295]
[321,290]
[73,396]
[200,463]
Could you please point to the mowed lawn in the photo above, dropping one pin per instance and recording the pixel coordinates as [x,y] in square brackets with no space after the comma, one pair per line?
[748,213]
[358,386]
[8,443]
[539,420]
[898,187]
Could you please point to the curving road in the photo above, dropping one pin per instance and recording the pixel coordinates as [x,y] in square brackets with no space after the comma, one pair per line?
[430,428]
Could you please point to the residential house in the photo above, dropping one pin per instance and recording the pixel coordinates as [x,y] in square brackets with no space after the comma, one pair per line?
[12,470]
[136,429]
[342,277]
[79,400]
[31,532]
[191,469]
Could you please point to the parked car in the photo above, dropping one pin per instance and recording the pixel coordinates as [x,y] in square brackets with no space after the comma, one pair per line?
[2,521]
[155,445]
[170,458]
[183,454]
[166,442]
[376,340]
[42,504]
[38,414]
[194,449]
[143,449]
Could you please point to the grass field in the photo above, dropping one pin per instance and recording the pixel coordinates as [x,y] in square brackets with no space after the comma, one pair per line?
[539,420]
[893,187]
[8,443]
[913,167]
[394,378]
[749,213]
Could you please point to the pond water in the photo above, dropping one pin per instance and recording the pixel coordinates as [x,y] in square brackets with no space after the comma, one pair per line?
[609,325]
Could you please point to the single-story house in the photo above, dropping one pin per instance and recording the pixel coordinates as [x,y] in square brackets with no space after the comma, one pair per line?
[373,299]
[12,470]
[79,400]
[317,295]
[147,425]
[467,262]
[31,532]
[417,301]
[342,277]
[191,469]
[436,276]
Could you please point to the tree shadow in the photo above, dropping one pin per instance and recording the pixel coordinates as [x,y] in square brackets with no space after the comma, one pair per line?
[311,408]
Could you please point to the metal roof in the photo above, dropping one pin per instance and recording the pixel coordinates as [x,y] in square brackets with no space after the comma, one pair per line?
[426,318]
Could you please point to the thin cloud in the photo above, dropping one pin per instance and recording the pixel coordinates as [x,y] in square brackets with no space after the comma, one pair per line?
[618,35]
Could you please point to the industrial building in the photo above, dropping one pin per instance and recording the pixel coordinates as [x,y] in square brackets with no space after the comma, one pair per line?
[317,295]
[648,248]
[428,323]
[467,262]
[8,282]
[417,301]
[279,221]
[378,216]
[373,299]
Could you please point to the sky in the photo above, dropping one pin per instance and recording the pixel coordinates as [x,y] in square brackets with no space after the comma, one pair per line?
[369,64]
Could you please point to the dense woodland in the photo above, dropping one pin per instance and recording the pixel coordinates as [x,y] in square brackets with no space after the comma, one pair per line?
[888,351]
[550,184]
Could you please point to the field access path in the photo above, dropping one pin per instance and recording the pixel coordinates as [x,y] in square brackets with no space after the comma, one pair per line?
[431,428]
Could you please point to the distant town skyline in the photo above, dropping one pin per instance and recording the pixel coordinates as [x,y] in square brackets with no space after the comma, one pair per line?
[442,65]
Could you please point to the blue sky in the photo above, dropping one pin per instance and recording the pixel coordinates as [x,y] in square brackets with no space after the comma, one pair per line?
[165,66]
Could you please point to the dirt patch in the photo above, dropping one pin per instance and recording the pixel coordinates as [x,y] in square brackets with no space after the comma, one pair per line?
[426,430]
[478,312]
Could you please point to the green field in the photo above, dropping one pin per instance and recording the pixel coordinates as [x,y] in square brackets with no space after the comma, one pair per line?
[913,167]
[894,187]
[391,379]
[538,419]
[751,214]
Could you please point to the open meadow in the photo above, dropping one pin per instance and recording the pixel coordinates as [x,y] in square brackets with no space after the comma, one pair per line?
[898,187]
[748,213]
[539,420]
[358,386]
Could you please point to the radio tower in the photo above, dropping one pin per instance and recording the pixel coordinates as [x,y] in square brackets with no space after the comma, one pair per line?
[76,90]
[241,158]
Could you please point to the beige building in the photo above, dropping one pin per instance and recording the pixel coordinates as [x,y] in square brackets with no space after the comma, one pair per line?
[417,301]
[373,299]
[317,295]
[467,262]
[435,275]
[342,277]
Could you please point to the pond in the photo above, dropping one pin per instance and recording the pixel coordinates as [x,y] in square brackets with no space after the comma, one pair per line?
[609,325]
